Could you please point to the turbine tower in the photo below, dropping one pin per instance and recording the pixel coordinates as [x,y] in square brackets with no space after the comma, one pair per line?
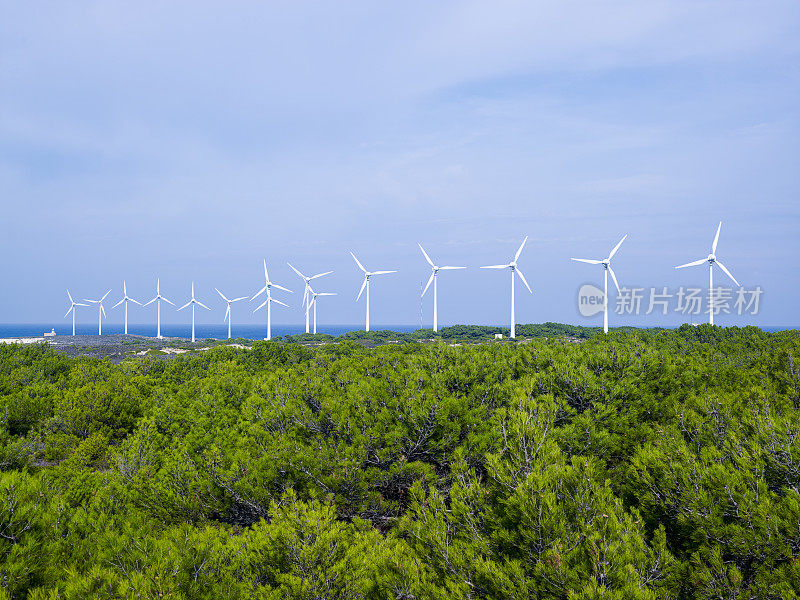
[228,312]
[367,275]
[313,301]
[72,305]
[606,262]
[712,260]
[307,281]
[514,269]
[159,297]
[268,303]
[101,312]
[126,299]
[434,278]
[268,285]
[193,301]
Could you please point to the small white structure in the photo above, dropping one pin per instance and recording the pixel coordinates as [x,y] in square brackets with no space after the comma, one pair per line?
[51,333]
[498,336]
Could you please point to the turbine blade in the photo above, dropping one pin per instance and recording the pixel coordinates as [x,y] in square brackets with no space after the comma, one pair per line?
[201,304]
[71,301]
[239,298]
[450,268]
[521,246]
[103,310]
[124,288]
[80,304]
[266,274]
[614,277]
[279,302]
[692,264]
[135,301]
[361,291]
[716,239]
[223,295]
[71,308]
[280,287]
[428,258]
[185,305]
[728,273]
[262,305]
[227,314]
[118,303]
[427,285]
[258,293]
[105,295]
[382,272]
[521,276]
[327,294]
[320,274]
[588,260]
[167,301]
[295,270]
[614,251]
[360,266]
[151,301]
[496,267]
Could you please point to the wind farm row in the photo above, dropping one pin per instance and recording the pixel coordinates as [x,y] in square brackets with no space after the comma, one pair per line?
[311,296]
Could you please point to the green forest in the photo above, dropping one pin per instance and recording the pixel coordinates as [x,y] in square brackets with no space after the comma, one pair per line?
[641,464]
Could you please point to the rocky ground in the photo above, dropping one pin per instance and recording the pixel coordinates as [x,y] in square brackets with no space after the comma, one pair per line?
[116,347]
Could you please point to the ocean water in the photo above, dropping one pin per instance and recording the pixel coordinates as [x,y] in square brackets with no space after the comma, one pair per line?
[251,332]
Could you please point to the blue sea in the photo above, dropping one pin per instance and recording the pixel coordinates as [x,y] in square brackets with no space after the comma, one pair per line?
[251,331]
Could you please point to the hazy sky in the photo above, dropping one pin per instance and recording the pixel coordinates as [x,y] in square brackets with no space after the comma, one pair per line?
[190,140]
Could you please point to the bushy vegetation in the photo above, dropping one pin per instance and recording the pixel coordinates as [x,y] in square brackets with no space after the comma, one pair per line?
[635,465]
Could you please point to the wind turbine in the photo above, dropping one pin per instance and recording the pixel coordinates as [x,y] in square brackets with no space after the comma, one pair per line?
[313,301]
[193,301]
[126,299]
[159,297]
[268,285]
[307,281]
[711,259]
[514,269]
[367,275]
[72,306]
[228,312]
[606,262]
[101,311]
[434,278]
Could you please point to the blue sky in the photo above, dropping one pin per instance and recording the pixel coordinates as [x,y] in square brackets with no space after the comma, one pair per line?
[190,140]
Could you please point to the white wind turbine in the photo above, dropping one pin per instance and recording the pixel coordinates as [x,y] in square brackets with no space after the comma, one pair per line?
[313,301]
[268,285]
[434,278]
[193,301]
[367,275]
[228,312]
[711,259]
[126,299]
[307,281]
[72,305]
[606,262]
[159,297]
[101,312]
[514,269]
